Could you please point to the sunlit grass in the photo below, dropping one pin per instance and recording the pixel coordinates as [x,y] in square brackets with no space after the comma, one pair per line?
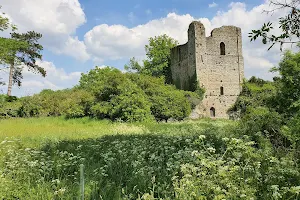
[36,152]
[36,131]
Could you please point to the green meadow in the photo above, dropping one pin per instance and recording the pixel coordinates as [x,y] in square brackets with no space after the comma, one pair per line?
[41,157]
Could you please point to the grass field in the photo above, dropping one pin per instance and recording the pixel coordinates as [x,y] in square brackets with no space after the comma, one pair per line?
[36,131]
[40,157]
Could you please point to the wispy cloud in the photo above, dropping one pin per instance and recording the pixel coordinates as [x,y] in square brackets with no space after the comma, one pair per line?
[131,17]
[212,5]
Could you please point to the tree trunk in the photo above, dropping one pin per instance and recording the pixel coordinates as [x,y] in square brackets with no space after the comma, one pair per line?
[10,81]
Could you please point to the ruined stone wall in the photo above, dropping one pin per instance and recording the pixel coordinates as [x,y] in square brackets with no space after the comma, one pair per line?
[183,63]
[180,65]
[214,72]
[222,71]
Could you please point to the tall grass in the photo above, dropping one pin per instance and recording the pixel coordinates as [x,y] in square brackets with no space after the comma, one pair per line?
[40,157]
[36,131]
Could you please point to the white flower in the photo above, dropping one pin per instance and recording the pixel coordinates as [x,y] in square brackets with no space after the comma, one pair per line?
[211,149]
[202,137]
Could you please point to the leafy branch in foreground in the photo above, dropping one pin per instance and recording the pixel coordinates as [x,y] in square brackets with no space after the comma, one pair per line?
[289,25]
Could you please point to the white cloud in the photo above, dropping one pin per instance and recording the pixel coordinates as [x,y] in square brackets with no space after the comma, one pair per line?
[57,20]
[57,78]
[118,41]
[212,5]
[75,48]
[113,42]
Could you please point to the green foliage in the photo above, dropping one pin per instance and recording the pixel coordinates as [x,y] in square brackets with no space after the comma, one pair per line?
[9,109]
[158,58]
[187,160]
[131,104]
[28,54]
[240,171]
[269,110]
[167,102]
[289,25]
[291,131]
[5,23]
[9,106]
[21,49]
[107,93]
[170,103]
[8,47]
[263,125]
[116,96]
[255,92]
[70,103]
[117,166]
[287,100]
[133,97]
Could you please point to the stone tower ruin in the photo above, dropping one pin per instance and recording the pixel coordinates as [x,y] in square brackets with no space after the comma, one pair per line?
[214,62]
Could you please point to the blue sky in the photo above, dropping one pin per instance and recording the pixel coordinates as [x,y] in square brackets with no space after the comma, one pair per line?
[131,13]
[77,35]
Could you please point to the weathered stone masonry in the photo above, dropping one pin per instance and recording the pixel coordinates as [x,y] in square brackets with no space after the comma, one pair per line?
[216,62]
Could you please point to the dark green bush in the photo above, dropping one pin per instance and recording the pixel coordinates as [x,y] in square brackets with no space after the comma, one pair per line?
[133,97]
[131,104]
[261,123]
[255,93]
[167,102]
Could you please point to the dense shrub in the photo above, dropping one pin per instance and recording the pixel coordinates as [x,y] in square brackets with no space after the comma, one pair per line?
[107,93]
[10,109]
[287,99]
[134,97]
[70,103]
[167,102]
[255,92]
[263,126]
[129,103]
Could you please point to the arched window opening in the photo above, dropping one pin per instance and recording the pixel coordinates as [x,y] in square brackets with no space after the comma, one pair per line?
[222,48]
[222,90]
[212,112]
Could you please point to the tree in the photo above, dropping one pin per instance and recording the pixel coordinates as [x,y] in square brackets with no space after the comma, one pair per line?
[21,49]
[158,58]
[288,82]
[7,47]
[5,23]
[289,25]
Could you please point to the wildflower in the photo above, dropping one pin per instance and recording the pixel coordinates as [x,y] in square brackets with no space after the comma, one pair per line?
[202,137]
[211,149]
[194,153]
